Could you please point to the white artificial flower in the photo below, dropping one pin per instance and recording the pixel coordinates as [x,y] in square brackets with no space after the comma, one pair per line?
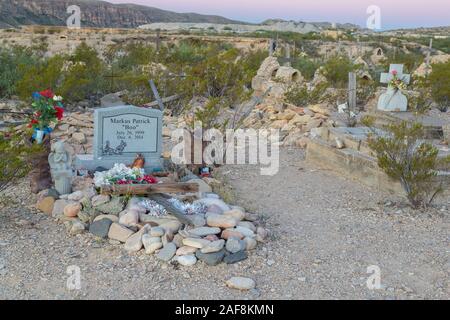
[118,172]
[57,98]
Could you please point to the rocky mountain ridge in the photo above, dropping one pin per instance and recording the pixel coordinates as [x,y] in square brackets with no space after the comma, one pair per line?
[102,14]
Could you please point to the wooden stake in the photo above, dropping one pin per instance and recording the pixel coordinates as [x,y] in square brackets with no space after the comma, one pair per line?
[147,189]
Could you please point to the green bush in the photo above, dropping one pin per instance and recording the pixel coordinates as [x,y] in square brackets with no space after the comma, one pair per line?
[307,67]
[404,156]
[336,71]
[439,82]
[74,77]
[14,162]
[44,75]
[13,65]
[300,96]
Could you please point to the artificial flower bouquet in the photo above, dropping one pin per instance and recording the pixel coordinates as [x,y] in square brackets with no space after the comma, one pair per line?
[121,174]
[47,108]
[396,83]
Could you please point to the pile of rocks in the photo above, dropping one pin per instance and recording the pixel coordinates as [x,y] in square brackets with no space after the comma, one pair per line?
[218,233]
[77,129]
[294,122]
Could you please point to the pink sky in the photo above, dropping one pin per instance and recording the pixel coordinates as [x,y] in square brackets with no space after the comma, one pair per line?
[394,13]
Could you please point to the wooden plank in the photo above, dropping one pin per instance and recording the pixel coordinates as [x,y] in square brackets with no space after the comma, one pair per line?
[147,189]
[11,124]
[164,100]
[156,94]
[352,91]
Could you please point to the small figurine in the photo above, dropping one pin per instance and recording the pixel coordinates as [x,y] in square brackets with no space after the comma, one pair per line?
[139,162]
[60,165]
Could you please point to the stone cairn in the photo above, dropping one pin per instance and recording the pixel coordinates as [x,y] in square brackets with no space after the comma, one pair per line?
[218,233]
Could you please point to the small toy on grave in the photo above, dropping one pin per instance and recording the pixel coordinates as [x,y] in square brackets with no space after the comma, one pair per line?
[47,109]
[205,172]
[139,162]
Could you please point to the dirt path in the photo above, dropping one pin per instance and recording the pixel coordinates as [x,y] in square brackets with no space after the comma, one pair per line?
[326,231]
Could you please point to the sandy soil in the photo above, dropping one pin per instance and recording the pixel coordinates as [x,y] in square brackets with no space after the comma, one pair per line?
[325,232]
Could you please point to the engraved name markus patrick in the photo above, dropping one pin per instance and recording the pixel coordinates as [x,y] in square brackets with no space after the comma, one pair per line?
[132,121]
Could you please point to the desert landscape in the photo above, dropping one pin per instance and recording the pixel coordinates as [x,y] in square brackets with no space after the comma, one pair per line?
[194,157]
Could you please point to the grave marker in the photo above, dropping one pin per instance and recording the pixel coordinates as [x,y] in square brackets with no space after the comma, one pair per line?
[352,91]
[393,100]
[120,133]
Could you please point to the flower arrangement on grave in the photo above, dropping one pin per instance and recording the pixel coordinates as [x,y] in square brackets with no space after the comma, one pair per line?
[120,174]
[396,83]
[47,109]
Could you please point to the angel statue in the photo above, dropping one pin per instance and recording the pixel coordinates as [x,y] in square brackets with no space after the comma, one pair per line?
[60,166]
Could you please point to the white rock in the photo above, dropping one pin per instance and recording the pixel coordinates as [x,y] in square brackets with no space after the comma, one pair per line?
[130,218]
[147,240]
[171,226]
[248,225]
[79,137]
[76,196]
[157,232]
[235,213]
[196,243]
[241,283]
[77,227]
[100,199]
[221,221]
[204,231]
[151,248]
[111,217]
[217,202]
[119,232]
[187,260]
[245,231]
[250,243]
[134,242]
[214,246]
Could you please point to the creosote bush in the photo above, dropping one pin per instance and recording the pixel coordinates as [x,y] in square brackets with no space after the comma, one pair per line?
[404,156]
[299,95]
[14,160]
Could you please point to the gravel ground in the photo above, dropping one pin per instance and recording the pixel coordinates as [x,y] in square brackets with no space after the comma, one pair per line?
[325,232]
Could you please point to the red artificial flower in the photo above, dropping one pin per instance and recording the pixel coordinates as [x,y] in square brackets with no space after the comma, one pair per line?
[47,93]
[33,122]
[59,113]
[150,179]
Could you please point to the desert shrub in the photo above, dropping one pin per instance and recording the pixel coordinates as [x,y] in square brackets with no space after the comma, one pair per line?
[13,64]
[218,75]
[307,67]
[299,95]
[336,70]
[14,162]
[75,77]
[438,82]
[420,100]
[404,156]
[84,76]
[411,60]
[45,74]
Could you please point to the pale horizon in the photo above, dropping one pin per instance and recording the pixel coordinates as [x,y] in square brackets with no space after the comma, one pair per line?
[394,14]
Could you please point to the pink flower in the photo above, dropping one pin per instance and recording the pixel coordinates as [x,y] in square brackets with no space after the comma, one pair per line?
[394,72]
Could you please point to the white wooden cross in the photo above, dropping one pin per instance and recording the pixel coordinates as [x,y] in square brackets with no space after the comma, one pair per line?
[387,77]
